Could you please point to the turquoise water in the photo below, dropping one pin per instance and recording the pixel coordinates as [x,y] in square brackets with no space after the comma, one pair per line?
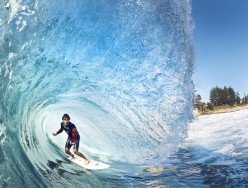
[123,71]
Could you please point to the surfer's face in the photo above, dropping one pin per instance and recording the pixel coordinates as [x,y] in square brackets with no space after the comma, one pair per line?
[66,121]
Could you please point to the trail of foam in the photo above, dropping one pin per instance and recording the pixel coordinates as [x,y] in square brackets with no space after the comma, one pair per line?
[220,134]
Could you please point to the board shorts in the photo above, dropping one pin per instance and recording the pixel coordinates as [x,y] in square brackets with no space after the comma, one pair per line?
[75,146]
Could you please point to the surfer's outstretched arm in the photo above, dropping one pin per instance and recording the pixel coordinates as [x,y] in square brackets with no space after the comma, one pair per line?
[59,131]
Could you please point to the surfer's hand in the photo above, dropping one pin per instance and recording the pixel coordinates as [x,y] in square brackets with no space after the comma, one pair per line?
[73,142]
[54,134]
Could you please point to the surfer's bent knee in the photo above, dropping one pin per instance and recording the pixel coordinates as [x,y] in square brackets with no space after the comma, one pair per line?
[66,150]
[75,147]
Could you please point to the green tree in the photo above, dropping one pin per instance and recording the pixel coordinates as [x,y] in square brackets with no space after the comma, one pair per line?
[237,98]
[245,99]
[198,102]
[216,96]
[231,96]
[210,106]
[198,97]
[224,96]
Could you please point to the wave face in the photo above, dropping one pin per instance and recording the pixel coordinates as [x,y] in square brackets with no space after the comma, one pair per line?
[121,68]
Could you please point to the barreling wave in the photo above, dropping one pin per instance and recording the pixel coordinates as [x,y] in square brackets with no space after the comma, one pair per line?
[121,68]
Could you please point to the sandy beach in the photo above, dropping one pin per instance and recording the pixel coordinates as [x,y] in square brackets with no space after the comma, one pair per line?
[219,111]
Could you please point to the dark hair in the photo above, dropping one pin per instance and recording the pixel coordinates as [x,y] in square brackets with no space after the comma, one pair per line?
[65,116]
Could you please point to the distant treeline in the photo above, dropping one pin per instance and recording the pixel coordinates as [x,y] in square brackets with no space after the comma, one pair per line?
[221,97]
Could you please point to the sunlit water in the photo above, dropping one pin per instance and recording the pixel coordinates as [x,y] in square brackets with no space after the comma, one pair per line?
[123,71]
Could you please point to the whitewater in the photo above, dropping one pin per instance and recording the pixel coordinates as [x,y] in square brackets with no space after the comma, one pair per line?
[122,70]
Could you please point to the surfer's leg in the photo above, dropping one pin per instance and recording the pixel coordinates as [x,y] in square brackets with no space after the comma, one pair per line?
[75,149]
[67,148]
[80,154]
[87,161]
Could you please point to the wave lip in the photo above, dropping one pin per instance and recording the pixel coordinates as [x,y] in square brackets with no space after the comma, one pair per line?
[121,69]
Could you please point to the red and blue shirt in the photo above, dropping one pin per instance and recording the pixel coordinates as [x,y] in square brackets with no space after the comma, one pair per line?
[70,129]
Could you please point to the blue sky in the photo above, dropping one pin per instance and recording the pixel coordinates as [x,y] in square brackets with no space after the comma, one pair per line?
[221,45]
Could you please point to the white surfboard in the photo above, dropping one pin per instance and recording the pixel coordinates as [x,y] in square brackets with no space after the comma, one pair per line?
[93,165]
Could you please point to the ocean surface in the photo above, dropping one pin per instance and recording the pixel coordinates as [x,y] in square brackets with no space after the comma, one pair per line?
[122,69]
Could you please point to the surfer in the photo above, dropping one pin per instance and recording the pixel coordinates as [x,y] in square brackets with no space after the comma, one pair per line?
[73,138]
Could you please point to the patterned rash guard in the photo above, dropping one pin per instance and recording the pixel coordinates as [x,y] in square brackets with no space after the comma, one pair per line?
[71,130]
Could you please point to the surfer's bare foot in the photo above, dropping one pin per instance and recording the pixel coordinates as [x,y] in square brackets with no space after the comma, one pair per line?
[87,161]
[71,157]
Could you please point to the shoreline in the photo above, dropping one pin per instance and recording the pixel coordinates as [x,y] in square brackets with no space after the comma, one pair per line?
[221,111]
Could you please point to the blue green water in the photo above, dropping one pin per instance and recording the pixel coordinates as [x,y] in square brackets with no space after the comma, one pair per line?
[123,71]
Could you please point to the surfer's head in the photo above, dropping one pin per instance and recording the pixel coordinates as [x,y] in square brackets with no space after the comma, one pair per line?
[66,118]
